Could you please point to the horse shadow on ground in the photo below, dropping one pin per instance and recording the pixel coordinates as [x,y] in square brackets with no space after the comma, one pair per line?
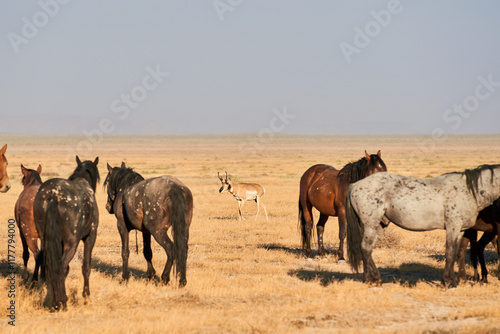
[116,271]
[295,251]
[490,257]
[7,269]
[408,274]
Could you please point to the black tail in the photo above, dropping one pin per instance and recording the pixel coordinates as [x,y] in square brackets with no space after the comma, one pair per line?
[180,236]
[302,226]
[354,234]
[52,258]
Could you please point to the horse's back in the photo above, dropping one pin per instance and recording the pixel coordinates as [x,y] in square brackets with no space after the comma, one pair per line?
[411,203]
[74,200]
[318,186]
[24,208]
[150,200]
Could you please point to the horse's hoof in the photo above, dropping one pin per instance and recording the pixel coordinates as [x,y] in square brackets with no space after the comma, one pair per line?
[341,261]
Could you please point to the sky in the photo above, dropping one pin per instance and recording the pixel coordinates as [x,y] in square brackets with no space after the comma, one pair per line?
[249,66]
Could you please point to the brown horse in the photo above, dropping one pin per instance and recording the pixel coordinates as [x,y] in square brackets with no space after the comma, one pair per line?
[23,212]
[488,221]
[324,188]
[4,177]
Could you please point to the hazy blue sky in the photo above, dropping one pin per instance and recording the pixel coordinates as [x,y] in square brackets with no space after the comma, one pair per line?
[230,66]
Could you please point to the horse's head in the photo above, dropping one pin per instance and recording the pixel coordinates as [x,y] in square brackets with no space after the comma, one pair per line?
[87,170]
[4,177]
[226,183]
[111,187]
[374,163]
[31,176]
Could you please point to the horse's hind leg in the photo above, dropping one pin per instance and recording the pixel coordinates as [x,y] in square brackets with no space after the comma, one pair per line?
[167,244]
[88,245]
[26,256]
[320,229]
[148,254]
[342,233]
[370,237]
[307,225]
[38,262]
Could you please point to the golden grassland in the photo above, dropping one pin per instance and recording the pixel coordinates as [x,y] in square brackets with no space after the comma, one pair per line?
[252,276]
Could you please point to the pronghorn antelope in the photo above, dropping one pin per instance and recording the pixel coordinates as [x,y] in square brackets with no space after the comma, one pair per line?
[243,192]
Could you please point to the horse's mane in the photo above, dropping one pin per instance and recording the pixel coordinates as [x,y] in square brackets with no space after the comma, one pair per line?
[355,171]
[34,178]
[88,171]
[122,178]
[472,177]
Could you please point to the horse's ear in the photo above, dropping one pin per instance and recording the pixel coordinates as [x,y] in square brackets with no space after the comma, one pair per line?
[379,154]
[23,169]
[4,149]
[123,165]
[39,169]
[78,161]
[96,161]
[110,169]
[367,156]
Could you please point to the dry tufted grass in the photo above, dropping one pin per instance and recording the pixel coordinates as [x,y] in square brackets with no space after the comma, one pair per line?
[252,276]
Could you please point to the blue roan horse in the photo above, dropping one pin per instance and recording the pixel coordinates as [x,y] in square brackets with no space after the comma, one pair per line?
[450,201]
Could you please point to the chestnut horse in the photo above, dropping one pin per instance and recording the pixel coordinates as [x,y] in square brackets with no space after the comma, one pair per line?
[488,221]
[4,177]
[324,188]
[23,212]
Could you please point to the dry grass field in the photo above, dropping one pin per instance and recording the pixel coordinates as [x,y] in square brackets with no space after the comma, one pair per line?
[252,276]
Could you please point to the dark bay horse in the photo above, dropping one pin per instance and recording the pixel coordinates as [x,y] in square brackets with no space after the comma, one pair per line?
[324,187]
[151,206]
[451,202]
[488,221]
[23,211]
[66,212]
[4,177]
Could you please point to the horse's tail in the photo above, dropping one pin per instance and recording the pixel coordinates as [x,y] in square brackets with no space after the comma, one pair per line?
[302,225]
[52,258]
[178,220]
[354,233]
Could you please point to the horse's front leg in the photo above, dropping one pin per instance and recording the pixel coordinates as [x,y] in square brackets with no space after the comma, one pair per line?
[453,236]
[122,229]
[461,255]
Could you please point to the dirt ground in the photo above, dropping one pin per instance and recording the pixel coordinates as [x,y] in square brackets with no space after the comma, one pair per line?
[252,276]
